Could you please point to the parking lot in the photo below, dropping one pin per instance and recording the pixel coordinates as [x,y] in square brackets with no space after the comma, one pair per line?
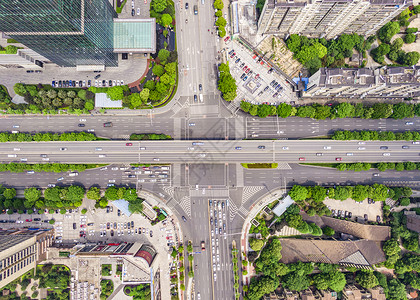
[135,9]
[357,209]
[257,82]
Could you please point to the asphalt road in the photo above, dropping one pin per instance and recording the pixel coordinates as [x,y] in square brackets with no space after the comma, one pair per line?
[209,151]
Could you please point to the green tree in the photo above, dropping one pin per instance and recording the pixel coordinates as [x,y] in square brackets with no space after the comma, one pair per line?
[411,58]
[221,22]
[158,70]
[163,55]
[144,95]
[159,5]
[284,110]
[388,31]
[115,93]
[261,286]
[402,110]
[409,38]
[293,43]
[366,279]
[298,193]
[391,247]
[135,99]
[382,110]
[227,84]
[344,110]
[136,206]
[396,290]
[94,193]
[296,282]
[32,195]
[328,231]
[166,20]
[256,244]
[9,193]
[318,193]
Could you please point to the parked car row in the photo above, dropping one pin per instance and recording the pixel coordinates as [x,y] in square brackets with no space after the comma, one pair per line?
[84,83]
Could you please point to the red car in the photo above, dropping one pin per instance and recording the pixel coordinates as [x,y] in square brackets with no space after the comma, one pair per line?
[83,225]
[233,55]
[129,144]
[28,220]
[246,67]
[254,56]
[226,39]
[257,76]
[338,159]
[302,158]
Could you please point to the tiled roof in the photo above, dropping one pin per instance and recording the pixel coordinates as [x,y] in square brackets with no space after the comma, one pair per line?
[362,252]
[368,232]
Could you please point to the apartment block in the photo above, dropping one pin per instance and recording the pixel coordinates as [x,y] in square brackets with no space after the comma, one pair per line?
[20,251]
[327,18]
[384,82]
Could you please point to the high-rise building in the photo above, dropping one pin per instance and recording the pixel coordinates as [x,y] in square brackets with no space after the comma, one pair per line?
[385,82]
[327,18]
[21,250]
[67,32]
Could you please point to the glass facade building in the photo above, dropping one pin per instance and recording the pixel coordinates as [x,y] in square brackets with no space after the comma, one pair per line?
[67,32]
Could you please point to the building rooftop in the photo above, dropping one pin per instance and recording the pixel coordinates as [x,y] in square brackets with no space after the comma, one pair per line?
[283,204]
[134,35]
[362,253]
[413,222]
[368,232]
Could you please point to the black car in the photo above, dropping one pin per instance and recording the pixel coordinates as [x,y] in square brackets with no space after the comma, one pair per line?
[151,233]
[195,98]
[119,213]
[53,83]
[184,219]
[103,82]
[261,147]
[81,125]
[59,84]
[378,219]
[67,83]
[383,148]
[89,83]
[131,176]
[133,12]
[110,82]
[132,224]
[107,209]
[186,5]
[97,76]
[112,232]
[200,87]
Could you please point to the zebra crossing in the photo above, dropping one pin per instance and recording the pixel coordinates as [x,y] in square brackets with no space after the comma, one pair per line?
[234,210]
[185,204]
[125,136]
[249,191]
[401,183]
[169,190]
[284,166]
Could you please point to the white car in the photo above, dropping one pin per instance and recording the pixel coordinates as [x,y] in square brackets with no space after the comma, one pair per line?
[361,148]
[349,154]
[386,154]
[138,11]
[285,148]
[91,130]
[82,120]
[118,82]
[114,82]
[361,143]
[327,147]
[96,82]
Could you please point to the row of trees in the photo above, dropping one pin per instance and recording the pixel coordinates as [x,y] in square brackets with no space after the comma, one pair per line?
[342,110]
[226,84]
[149,136]
[220,21]
[372,135]
[4,95]
[53,167]
[377,192]
[46,137]
[41,97]
[116,193]
[165,71]
[382,166]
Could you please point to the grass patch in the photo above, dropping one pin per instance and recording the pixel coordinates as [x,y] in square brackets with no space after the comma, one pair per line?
[261,166]
[325,165]
[119,9]
[63,254]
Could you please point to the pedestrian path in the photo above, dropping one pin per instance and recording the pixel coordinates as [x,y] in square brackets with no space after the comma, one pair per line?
[249,191]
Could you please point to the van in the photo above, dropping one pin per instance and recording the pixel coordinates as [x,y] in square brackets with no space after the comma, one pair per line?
[165,168]
[201,97]
[72,174]
[11,155]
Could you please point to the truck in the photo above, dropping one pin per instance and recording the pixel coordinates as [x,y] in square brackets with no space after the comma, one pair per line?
[195,9]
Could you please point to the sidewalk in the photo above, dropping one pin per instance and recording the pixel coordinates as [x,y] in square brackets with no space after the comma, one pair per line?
[253,212]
